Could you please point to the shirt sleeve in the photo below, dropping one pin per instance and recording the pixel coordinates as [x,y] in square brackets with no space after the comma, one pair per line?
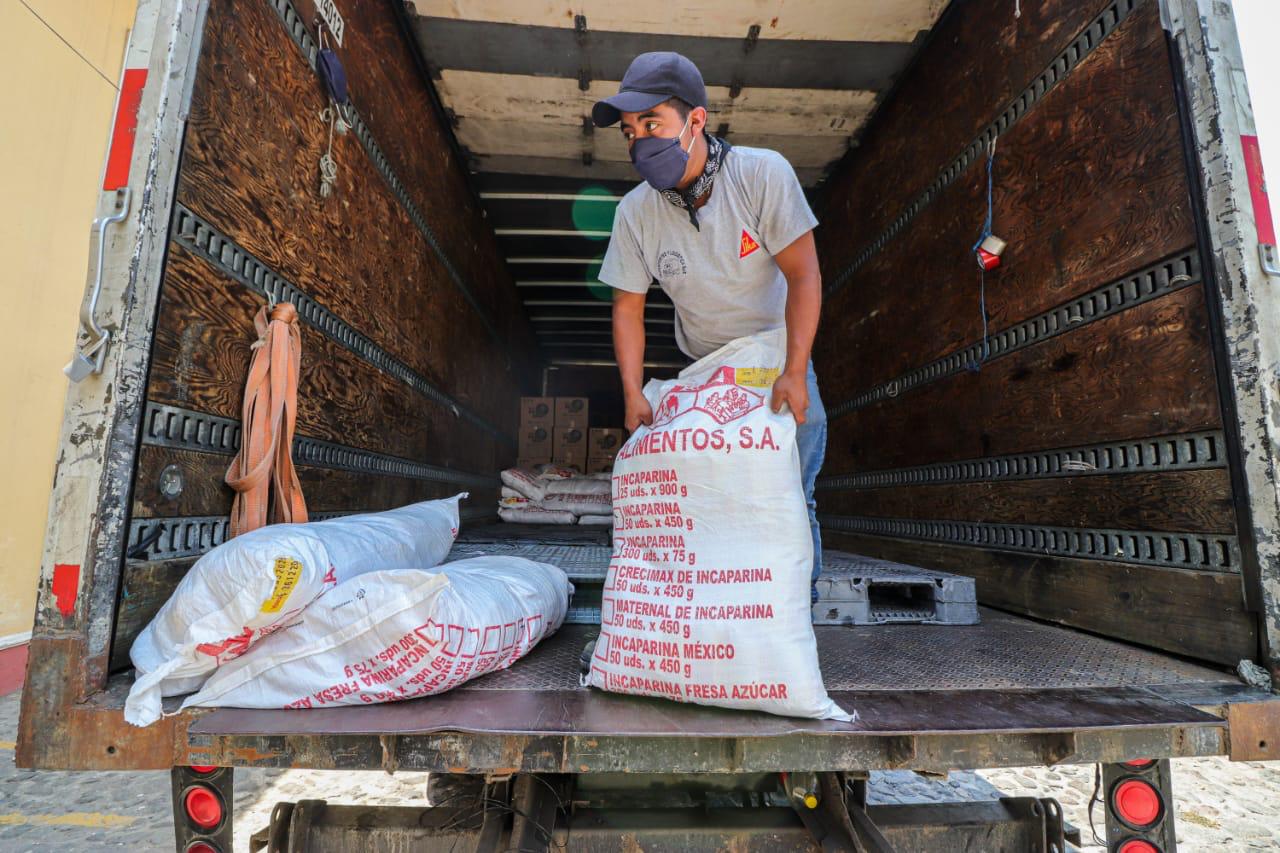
[785,215]
[624,267]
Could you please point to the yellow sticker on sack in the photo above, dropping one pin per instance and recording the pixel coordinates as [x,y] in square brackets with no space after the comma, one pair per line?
[288,572]
[756,377]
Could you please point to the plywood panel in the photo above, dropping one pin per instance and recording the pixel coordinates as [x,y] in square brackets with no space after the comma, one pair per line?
[494,137]
[1175,501]
[973,65]
[1089,186]
[325,489]
[524,100]
[201,357]
[1199,614]
[1145,372]
[395,102]
[839,20]
[255,177]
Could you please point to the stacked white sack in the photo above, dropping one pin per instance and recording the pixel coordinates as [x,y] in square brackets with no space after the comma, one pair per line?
[551,495]
[258,582]
[388,636]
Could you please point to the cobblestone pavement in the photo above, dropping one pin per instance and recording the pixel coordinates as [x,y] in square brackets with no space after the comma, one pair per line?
[1220,806]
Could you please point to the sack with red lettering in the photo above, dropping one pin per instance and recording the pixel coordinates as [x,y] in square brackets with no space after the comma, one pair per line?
[531,513]
[387,636]
[707,595]
[525,482]
[258,583]
[579,504]
[581,485]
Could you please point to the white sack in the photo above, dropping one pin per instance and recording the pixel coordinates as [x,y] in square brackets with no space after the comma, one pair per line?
[554,472]
[508,492]
[596,519]
[392,635]
[580,486]
[707,595]
[535,515]
[579,504]
[525,482]
[258,582]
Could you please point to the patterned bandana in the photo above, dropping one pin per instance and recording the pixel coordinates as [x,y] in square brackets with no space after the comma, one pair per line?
[717,148]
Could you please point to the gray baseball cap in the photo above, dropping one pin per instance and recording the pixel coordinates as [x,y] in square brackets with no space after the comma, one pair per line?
[651,79]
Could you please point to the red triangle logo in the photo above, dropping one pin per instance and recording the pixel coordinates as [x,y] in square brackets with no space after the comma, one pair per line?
[748,245]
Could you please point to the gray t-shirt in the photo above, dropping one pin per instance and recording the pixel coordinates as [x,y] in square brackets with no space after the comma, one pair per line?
[722,278]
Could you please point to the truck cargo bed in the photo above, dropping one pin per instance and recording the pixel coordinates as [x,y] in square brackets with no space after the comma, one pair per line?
[1006,675]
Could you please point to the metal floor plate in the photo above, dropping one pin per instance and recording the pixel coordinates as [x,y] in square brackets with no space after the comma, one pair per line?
[1004,652]
[536,534]
[1006,674]
[580,562]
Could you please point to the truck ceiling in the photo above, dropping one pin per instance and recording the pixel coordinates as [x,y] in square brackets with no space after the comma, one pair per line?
[518,80]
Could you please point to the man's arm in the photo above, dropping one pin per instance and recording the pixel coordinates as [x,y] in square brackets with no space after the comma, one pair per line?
[799,263]
[628,347]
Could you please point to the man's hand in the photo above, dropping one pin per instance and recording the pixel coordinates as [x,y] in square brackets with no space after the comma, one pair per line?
[791,387]
[638,412]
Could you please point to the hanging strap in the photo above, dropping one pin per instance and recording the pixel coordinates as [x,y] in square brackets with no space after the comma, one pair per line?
[269,414]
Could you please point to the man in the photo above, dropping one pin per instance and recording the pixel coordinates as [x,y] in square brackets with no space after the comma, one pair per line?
[727,233]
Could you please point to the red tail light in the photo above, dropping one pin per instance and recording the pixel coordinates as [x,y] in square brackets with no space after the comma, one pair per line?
[1136,802]
[1139,763]
[203,768]
[202,847]
[1138,846]
[203,806]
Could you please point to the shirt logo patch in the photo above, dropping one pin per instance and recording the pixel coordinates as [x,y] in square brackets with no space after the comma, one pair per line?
[671,264]
[748,245]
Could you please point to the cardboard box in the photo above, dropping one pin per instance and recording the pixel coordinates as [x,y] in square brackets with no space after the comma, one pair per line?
[537,410]
[577,463]
[598,466]
[605,443]
[572,411]
[569,441]
[569,447]
[536,441]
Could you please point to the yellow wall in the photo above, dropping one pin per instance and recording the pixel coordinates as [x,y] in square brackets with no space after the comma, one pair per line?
[52,145]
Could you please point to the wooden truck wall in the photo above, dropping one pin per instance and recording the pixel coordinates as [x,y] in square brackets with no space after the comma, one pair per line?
[1075,462]
[414,343]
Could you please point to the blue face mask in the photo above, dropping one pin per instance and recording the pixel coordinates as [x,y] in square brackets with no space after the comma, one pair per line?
[661,161]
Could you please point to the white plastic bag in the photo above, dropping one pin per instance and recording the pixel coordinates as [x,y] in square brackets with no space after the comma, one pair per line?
[579,504]
[535,515]
[707,595]
[258,582]
[387,636]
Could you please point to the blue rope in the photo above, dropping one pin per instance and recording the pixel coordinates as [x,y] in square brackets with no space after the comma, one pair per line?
[976,366]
